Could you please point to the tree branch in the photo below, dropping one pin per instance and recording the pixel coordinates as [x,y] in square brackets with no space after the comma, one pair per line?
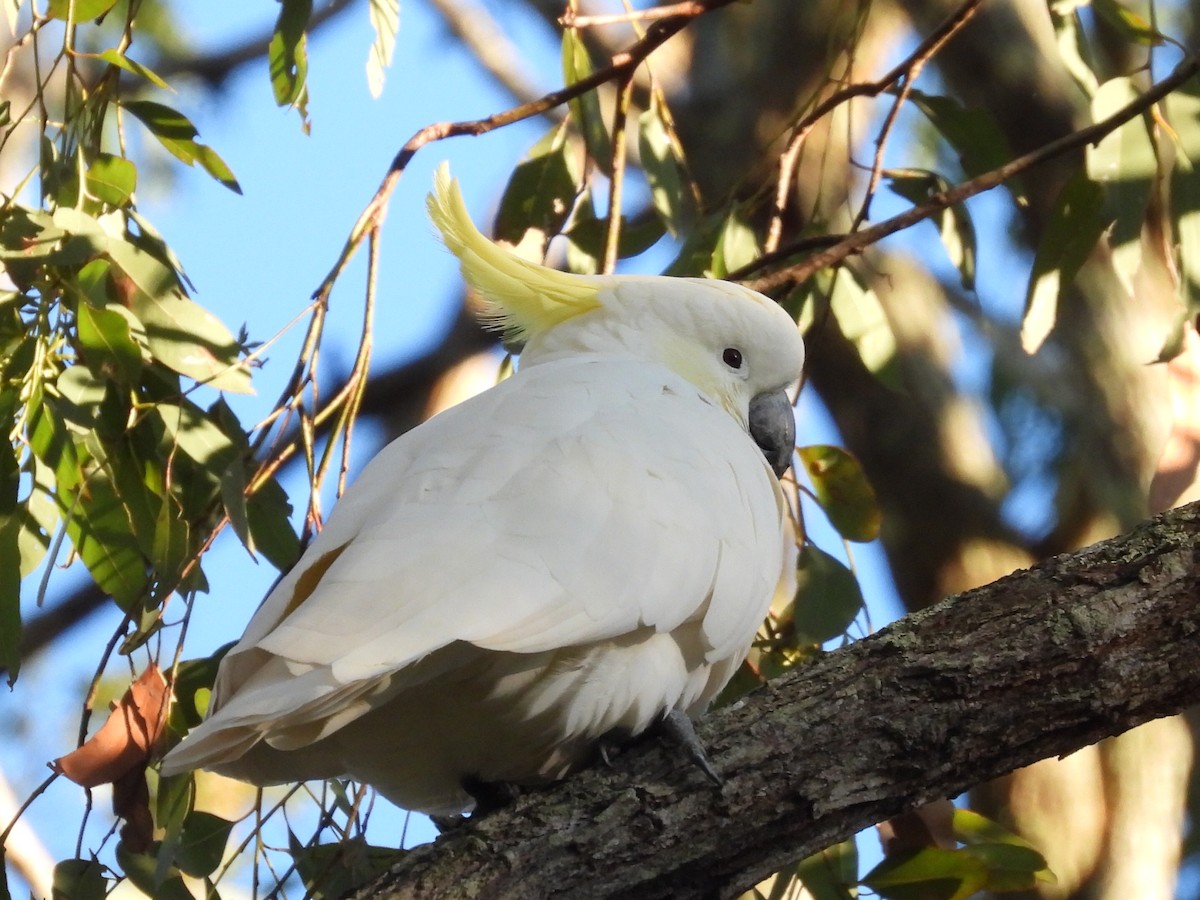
[1038,664]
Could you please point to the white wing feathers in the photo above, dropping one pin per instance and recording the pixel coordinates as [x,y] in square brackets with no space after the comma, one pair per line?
[588,493]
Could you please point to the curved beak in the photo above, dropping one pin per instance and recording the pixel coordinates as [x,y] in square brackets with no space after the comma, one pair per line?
[773,427]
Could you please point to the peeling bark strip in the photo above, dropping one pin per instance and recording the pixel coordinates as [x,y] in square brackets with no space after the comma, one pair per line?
[1040,663]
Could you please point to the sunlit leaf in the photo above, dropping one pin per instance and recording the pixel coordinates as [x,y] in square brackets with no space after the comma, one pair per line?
[1125,163]
[212,163]
[662,161]
[111,179]
[585,109]
[107,344]
[736,247]
[81,393]
[829,875]
[197,435]
[117,58]
[192,341]
[83,10]
[385,20]
[828,597]
[98,526]
[1128,23]
[928,873]
[586,236]
[864,322]
[172,545]
[1067,241]
[843,491]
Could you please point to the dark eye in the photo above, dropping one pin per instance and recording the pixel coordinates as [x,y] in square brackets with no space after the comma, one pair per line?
[732,357]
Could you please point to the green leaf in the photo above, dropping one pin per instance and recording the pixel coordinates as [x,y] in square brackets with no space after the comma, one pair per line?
[973,133]
[107,344]
[267,516]
[330,871]
[829,874]
[111,179]
[11,521]
[190,340]
[143,870]
[540,193]
[85,10]
[287,55]
[586,235]
[863,321]
[1125,163]
[1074,228]
[843,491]
[81,395]
[585,109]
[99,527]
[828,597]
[666,173]
[930,872]
[736,247]
[79,879]
[172,545]
[202,844]
[193,680]
[385,20]
[1128,24]
[197,435]
[954,224]
[121,61]
[178,135]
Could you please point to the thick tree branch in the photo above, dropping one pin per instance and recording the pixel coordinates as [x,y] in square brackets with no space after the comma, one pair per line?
[1038,664]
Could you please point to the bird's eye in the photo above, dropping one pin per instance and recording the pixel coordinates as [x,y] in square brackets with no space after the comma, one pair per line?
[732,357]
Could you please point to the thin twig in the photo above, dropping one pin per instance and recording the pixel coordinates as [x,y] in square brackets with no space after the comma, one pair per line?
[612,237]
[572,19]
[785,279]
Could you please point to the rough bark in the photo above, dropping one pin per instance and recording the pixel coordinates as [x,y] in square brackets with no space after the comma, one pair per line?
[1037,664]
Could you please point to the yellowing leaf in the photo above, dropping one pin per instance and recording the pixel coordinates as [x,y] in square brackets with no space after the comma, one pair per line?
[843,491]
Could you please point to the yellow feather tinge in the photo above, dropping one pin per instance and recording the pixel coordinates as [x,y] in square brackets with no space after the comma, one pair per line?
[521,299]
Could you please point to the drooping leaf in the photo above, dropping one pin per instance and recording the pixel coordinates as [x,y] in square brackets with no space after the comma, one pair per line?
[541,192]
[973,132]
[10,562]
[829,875]
[828,597]
[1067,241]
[385,20]
[1124,162]
[81,393]
[171,547]
[585,109]
[287,55]
[736,247]
[586,235]
[142,868]
[121,61]
[178,135]
[843,491]
[864,322]
[662,161]
[267,515]
[954,224]
[127,737]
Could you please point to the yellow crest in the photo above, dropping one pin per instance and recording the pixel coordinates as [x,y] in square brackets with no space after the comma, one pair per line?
[521,299]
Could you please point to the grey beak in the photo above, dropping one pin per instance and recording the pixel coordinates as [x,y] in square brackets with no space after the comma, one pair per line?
[773,427]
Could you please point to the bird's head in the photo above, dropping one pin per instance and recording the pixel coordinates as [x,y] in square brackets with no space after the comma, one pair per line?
[738,347]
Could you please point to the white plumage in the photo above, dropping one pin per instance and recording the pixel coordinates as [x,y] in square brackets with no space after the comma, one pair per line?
[584,547]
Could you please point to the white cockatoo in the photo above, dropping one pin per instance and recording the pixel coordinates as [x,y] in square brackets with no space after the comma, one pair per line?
[585,549]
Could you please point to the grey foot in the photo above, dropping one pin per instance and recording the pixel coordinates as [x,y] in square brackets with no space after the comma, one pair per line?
[678,727]
[489,796]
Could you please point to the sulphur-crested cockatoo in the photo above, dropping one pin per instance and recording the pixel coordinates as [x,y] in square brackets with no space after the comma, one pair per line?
[581,550]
